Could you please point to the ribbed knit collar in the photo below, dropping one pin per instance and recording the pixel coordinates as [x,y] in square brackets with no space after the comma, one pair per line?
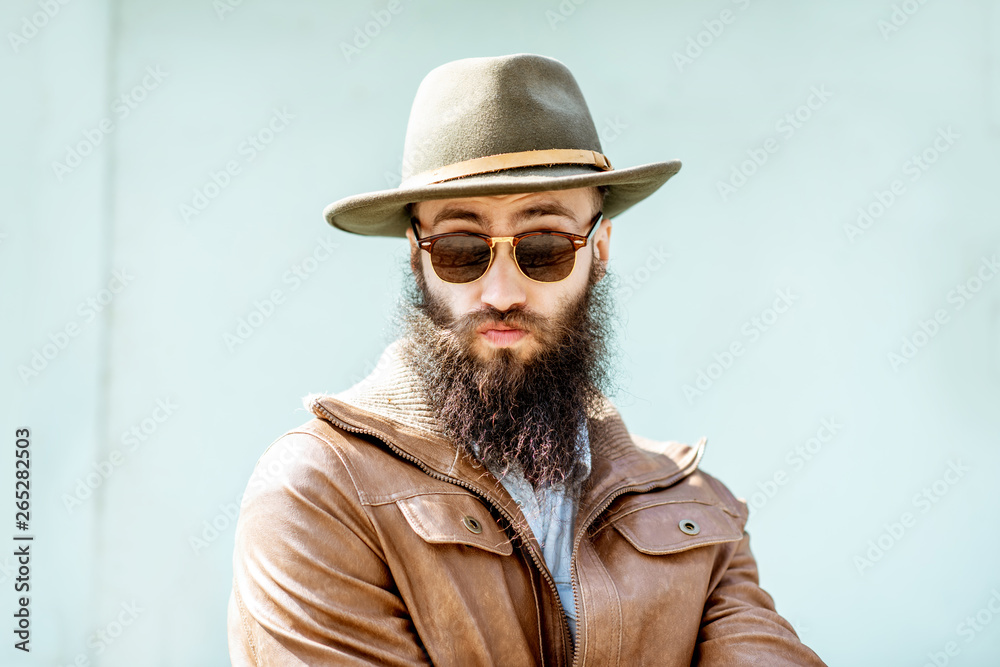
[392,404]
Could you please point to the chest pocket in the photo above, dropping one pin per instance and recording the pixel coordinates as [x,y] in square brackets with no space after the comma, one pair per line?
[443,518]
[671,526]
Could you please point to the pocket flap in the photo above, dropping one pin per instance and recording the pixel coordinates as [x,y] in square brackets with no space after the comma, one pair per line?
[448,518]
[670,527]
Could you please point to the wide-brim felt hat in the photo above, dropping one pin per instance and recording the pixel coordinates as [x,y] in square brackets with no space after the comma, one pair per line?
[493,126]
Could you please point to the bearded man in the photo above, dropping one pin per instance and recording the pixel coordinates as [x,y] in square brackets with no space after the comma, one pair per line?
[478,500]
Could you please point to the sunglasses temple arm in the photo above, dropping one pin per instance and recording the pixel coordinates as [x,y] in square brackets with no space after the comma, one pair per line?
[595,225]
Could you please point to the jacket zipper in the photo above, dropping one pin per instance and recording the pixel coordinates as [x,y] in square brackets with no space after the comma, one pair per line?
[567,638]
[586,525]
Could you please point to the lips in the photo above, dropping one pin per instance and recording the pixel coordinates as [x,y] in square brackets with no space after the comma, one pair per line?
[496,326]
[501,334]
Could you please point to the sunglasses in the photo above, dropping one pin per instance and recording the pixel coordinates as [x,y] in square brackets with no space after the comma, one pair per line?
[544,256]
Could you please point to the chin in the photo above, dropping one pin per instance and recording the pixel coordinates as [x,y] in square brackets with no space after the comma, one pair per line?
[523,351]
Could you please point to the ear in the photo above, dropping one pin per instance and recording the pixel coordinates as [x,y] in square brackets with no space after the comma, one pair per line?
[602,240]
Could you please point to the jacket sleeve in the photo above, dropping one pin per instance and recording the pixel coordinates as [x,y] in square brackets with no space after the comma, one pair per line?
[309,584]
[740,625]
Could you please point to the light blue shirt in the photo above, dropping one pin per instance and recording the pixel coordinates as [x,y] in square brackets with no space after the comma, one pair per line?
[550,514]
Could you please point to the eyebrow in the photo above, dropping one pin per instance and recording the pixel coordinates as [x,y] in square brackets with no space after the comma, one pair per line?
[536,210]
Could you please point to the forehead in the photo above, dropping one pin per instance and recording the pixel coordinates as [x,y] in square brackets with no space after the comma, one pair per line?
[569,207]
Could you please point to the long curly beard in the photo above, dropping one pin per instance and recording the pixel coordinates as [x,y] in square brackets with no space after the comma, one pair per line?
[508,412]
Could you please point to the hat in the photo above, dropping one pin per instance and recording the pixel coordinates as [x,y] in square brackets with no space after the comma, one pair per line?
[492,126]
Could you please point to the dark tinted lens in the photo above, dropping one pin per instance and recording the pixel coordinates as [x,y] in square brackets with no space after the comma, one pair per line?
[460,259]
[546,257]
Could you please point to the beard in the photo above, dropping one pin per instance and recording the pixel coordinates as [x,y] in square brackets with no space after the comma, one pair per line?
[507,411]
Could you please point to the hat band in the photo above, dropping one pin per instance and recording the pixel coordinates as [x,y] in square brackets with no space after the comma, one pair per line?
[484,165]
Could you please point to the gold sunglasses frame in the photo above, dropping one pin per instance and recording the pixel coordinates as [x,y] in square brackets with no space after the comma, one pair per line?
[578,241]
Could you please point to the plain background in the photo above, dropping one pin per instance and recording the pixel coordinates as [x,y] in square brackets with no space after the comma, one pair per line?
[892,77]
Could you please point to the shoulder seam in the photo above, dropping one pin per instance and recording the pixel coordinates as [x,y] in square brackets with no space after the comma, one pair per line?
[728,497]
[322,437]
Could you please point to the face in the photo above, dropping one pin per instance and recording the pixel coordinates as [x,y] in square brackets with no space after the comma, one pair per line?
[510,365]
[530,307]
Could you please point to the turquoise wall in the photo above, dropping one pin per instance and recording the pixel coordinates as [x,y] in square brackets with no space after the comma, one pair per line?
[815,291]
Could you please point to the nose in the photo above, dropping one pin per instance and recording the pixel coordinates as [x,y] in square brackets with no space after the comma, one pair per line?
[503,285]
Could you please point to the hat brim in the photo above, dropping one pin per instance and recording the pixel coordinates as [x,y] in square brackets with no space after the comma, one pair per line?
[383,213]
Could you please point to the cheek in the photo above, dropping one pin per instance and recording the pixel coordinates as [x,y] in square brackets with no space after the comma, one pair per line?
[429,276]
[570,292]
[455,300]
[549,300]
[420,264]
[573,286]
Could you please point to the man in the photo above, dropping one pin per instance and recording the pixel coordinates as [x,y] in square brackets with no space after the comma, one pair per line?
[477,500]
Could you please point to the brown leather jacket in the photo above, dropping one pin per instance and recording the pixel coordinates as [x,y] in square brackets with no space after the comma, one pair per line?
[366,537]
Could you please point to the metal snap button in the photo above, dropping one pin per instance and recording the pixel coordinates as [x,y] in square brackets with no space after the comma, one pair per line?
[689,527]
[472,524]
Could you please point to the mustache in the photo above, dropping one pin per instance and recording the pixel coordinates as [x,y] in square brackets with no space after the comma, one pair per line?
[517,317]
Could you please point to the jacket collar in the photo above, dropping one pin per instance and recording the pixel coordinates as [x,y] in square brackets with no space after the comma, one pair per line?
[391,405]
